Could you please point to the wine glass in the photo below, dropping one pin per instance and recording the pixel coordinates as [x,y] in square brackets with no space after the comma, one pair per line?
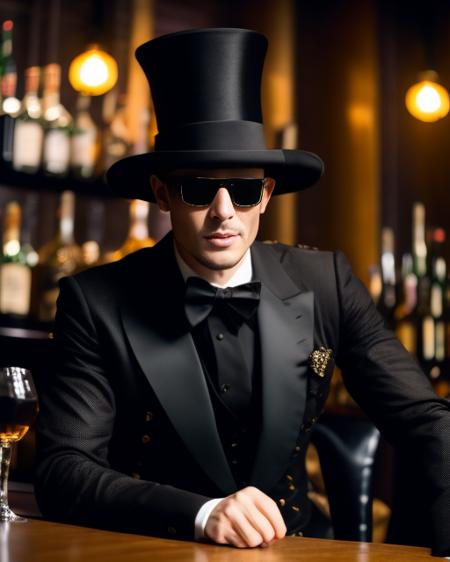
[18,408]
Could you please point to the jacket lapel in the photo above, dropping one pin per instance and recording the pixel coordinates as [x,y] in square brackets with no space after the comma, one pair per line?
[158,335]
[286,327]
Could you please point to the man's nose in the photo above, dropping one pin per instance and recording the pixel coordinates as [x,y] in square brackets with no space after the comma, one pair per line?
[222,206]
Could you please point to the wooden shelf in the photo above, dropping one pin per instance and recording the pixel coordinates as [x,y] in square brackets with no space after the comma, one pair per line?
[24,328]
[40,182]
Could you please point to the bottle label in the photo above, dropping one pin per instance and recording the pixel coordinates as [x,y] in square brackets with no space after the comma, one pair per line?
[56,151]
[28,137]
[15,288]
[83,149]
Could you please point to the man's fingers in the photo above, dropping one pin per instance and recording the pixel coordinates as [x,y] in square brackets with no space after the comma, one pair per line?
[234,539]
[248,518]
[247,529]
[271,512]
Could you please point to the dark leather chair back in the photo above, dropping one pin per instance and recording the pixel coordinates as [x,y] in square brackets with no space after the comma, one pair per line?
[347,447]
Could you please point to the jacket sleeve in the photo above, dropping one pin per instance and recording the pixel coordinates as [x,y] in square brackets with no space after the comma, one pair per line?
[391,388]
[74,481]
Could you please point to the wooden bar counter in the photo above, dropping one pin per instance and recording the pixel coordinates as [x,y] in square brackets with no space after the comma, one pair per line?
[42,541]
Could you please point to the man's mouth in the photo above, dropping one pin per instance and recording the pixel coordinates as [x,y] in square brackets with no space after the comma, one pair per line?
[222,239]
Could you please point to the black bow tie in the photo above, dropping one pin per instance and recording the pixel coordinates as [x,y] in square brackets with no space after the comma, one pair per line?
[201,297]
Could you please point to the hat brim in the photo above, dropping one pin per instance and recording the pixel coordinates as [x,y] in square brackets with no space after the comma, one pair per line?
[293,170]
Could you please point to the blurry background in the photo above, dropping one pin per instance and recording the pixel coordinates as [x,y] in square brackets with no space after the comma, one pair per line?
[337,70]
[335,80]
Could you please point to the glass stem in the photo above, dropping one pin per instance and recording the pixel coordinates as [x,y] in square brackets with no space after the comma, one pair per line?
[5,458]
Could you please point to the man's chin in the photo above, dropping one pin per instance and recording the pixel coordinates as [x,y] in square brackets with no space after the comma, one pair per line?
[220,262]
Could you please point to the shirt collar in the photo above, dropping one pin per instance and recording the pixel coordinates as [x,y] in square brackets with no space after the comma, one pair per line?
[242,275]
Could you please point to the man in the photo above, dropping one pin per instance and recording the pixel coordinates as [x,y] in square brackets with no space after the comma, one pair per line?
[189,375]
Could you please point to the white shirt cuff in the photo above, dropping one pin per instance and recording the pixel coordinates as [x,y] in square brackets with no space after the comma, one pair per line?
[202,517]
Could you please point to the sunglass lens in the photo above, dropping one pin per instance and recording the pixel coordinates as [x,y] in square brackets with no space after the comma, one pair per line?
[247,192]
[198,191]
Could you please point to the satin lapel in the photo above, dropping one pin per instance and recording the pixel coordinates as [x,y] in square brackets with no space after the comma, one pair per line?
[286,327]
[156,329]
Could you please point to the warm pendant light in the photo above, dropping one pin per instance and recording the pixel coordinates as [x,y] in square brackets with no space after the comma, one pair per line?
[427,100]
[93,72]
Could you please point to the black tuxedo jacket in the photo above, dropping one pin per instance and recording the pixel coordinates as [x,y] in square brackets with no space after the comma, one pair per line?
[126,434]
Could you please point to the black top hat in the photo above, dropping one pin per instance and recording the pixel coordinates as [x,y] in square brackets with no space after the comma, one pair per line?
[206,85]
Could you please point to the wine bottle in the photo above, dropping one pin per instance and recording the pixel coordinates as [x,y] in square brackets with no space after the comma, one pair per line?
[426,325]
[405,313]
[57,258]
[95,220]
[30,214]
[29,132]
[15,273]
[56,156]
[388,297]
[116,143]
[138,236]
[419,244]
[10,105]
[437,303]
[84,140]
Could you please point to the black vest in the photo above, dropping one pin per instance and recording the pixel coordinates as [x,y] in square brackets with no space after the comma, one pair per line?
[239,434]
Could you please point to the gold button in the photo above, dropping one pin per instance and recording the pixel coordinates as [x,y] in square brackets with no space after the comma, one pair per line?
[171,531]
[289,477]
[136,475]
[297,448]
[292,487]
[145,439]
[282,502]
[295,507]
[148,416]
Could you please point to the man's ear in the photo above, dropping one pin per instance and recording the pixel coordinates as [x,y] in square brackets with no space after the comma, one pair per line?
[268,189]
[160,192]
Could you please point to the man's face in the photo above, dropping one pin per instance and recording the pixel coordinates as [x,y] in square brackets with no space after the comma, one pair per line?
[212,240]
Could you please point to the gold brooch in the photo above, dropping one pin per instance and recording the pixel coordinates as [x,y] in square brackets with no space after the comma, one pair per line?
[319,359]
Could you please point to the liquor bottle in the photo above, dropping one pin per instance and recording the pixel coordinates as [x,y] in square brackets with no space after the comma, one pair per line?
[437,304]
[84,140]
[30,213]
[58,258]
[29,132]
[56,155]
[15,273]
[405,313]
[95,220]
[388,298]
[116,141]
[419,244]
[138,236]
[442,369]
[10,105]
[425,332]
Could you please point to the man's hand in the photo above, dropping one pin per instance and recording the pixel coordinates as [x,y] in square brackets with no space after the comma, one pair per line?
[245,519]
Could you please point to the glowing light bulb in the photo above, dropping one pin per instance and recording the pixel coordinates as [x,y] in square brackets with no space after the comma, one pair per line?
[427,100]
[94,72]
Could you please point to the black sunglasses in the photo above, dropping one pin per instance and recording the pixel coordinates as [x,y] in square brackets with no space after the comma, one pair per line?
[200,192]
